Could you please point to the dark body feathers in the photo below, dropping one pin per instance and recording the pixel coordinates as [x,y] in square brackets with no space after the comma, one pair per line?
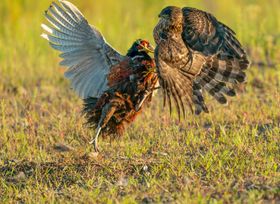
[129,81]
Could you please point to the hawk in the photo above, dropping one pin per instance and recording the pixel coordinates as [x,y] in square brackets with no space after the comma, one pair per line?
[194,52]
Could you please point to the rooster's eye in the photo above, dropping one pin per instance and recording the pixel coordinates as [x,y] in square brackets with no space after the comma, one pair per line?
[144,44]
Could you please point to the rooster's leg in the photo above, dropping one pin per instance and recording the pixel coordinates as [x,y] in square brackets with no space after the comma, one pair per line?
[140,103]
[94,141]
[107,112]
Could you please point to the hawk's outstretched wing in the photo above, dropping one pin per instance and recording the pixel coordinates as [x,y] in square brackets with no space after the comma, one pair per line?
[202,32]
[84,50]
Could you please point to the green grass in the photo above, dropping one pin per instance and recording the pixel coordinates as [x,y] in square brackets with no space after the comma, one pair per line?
[229,155]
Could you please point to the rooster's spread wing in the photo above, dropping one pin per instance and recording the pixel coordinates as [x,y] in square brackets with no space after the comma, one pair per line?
[85,52]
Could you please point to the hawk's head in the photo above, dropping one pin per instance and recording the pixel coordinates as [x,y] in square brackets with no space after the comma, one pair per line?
[172,14]
[140,47]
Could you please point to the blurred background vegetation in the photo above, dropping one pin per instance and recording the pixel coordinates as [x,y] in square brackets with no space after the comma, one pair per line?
[256,22]
[231,154]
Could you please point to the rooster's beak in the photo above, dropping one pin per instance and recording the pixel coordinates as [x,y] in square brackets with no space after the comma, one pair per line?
[148,48]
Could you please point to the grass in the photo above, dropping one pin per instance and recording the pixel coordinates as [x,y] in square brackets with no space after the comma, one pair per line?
[230,155]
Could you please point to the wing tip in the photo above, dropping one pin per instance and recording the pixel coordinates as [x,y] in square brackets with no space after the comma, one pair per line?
[45,36]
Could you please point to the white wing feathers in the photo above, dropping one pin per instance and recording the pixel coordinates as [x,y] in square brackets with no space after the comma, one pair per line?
[84,50]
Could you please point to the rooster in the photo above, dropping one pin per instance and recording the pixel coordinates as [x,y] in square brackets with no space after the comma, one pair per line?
[114,87]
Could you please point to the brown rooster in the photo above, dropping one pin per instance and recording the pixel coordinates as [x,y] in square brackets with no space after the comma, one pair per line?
[131,83]
[114,87]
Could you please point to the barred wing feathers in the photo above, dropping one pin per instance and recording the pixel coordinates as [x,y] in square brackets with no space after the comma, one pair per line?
[204,33]
[217,77]
[177,83]
[84,50]
[226,59]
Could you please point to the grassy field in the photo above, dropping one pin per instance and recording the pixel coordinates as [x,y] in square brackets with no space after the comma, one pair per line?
[230,155]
